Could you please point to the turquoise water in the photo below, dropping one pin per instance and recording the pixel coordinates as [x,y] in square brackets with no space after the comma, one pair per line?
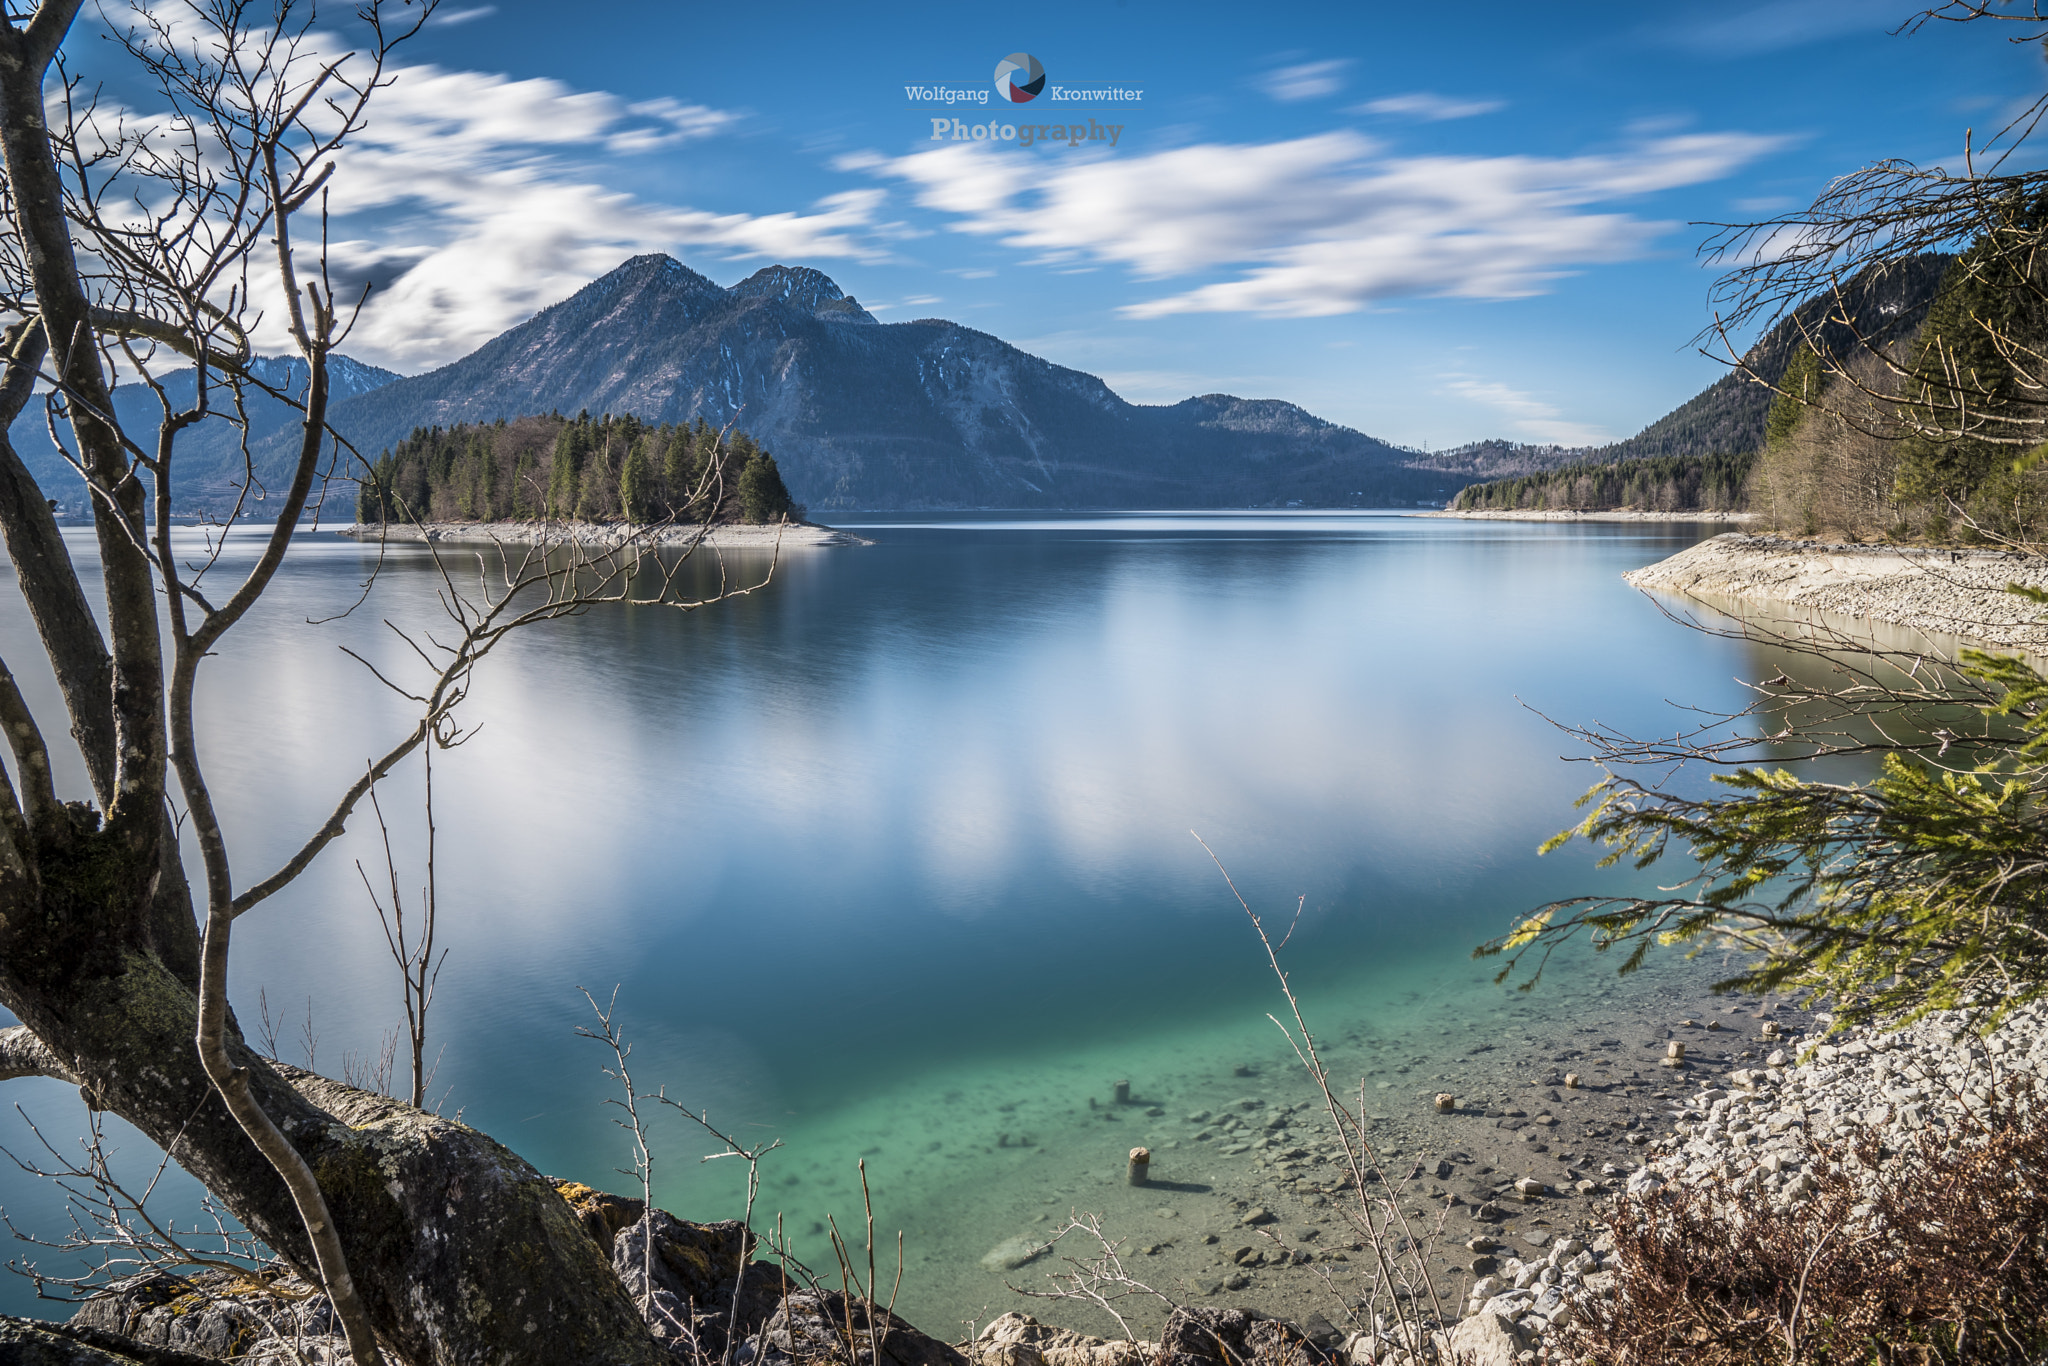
[906,837]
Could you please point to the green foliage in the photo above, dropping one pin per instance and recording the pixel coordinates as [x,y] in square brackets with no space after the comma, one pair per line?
[1663,483]
[1801,385]
[1924,889]
[1964,382]
[566,471]
[762,495]
[636,483]
[606,468]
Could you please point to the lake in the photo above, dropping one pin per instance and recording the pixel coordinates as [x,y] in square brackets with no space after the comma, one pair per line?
[905,839]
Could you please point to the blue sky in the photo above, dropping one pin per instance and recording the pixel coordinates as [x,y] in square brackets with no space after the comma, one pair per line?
[1433,223]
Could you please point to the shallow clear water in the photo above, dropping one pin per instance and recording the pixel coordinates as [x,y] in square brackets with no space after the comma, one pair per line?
[906,837]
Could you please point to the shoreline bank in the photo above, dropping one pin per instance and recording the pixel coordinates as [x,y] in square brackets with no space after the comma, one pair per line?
[1566,515]
[604,534]
[1958,593]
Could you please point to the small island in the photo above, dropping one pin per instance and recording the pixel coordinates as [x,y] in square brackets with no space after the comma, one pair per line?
[583,480]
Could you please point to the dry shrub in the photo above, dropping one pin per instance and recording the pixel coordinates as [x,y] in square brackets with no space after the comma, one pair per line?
[1835,474]
[1937,1254]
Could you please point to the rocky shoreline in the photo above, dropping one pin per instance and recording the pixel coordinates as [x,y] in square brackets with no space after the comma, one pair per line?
[1959,593]
[1822,1093]
[1568,515]
[604,535]
[1756,1098]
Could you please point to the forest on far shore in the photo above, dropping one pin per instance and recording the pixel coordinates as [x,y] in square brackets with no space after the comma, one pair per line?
[613,468]
[1657,483]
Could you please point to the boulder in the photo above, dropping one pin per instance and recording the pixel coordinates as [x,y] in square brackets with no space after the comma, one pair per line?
[267,1317]
[30,1342]
[1020,1340]
[601,1213]
[1233,1337]
[1482,1340]
[826,1328]
[698,1291]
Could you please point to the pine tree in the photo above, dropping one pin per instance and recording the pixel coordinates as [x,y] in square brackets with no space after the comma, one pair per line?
[763,497]
[1962,382]
[566,473]
[636,478]
[676,480]
[1799,387]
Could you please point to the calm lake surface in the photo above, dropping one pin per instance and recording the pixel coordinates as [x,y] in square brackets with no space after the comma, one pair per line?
[911,828]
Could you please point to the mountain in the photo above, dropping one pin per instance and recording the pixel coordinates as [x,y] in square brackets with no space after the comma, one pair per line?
[867,414]
[209,464]
[1881,307]
[859,413]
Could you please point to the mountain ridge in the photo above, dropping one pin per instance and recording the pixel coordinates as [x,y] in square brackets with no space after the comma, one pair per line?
[1727,417]
[861,413]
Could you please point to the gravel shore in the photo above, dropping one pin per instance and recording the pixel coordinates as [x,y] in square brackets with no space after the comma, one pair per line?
[1940,592]
[1563,515]
[1823,1093]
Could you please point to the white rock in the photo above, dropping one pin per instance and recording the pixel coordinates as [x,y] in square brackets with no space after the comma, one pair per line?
[1481,1340]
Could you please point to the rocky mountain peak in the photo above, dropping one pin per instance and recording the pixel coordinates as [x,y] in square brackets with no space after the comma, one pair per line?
[803,288]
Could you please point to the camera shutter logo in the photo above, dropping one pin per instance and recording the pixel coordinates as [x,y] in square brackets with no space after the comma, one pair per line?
[1019,78]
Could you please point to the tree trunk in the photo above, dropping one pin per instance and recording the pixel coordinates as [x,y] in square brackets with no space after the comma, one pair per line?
[463,1253]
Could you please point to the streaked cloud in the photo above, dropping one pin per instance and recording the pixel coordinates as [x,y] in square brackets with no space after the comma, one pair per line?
[1319,225]
[1305,81]
[1421,104]
[1783,24]
[448,18]
[475,199]
[1530,418]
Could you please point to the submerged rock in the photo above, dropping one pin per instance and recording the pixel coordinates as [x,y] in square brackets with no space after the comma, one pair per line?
[1012,1253]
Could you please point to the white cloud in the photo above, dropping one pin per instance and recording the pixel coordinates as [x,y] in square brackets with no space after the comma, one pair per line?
[1318,225]
[471,199]
[1783,24]
[1532,419]
[448,18]
[479,193]
[907,301]
[1421,104]
[1308,81]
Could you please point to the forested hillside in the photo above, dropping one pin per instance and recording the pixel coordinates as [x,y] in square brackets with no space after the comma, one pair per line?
[602,469]
[1694,448]
[1657,483]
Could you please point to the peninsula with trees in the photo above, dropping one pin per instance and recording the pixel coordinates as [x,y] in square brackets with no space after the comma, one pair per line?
[551,468]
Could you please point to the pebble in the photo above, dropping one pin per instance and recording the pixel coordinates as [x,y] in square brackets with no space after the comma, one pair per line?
[1888,1083]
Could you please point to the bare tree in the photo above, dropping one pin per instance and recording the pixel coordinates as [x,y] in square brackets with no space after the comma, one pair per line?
[419,971]
[134,244]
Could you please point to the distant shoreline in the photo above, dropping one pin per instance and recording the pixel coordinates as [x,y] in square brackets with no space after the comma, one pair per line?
[726,536]
[1566,515]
